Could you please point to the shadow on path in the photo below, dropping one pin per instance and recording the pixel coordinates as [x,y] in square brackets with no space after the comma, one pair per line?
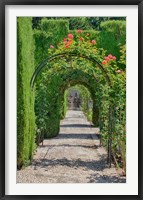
[69,145]
[98,178]
[76,125]
[75,136]
[97,165]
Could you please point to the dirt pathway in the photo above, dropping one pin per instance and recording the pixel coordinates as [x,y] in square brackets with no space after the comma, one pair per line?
[74,156]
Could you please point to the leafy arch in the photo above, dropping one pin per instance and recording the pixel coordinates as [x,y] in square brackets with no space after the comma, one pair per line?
[68,56]
[69,52]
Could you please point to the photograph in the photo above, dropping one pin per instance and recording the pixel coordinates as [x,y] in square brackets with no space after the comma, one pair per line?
[71,99]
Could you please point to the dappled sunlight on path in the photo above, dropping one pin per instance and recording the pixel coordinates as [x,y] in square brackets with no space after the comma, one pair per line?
[74,156]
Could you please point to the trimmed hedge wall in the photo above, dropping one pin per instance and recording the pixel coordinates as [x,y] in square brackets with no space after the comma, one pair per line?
[50,33]
[25,97]
[112,36]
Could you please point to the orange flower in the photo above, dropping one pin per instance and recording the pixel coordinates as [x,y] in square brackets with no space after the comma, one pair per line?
[66,46]
[70,42]
[104,62]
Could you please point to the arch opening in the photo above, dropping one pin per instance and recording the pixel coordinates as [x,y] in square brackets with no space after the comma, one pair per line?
[70,75]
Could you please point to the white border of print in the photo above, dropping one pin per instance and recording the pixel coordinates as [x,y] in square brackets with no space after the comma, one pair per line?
[131,186]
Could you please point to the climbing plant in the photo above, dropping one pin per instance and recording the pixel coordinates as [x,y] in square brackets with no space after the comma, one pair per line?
[79,54]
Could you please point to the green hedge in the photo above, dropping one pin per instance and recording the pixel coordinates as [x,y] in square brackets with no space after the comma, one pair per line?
[50,33]
[47,109]
[112,36]
[25,97]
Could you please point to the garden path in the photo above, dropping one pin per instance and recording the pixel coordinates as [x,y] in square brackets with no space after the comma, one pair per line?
[74,156]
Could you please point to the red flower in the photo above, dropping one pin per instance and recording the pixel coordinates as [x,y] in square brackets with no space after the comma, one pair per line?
[70,36]
[114,57]
[79,31]
[81,38]
[65,39]
[93,41]
[107,58]
[104,62]
[51,46]
[110,56]
[68,42]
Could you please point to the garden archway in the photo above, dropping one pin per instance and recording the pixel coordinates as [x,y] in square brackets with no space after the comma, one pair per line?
[94,62]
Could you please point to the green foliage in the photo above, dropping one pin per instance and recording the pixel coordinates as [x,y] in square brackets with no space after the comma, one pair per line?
[57,29]
[112,36]
[84,23]
[47,108]
[122,61]
[92,34]
[49,33]
[63,109]
[86,51]
[108,97]
[79,23]
[47,105]
[86,62]
[25,97]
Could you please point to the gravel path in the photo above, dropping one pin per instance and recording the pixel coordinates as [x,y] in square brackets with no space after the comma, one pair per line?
[74,156]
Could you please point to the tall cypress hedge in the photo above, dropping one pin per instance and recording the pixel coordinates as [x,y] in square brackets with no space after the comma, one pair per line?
[25,97]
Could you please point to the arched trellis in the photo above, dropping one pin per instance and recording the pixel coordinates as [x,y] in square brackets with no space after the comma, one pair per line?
[95,62]
[64,55]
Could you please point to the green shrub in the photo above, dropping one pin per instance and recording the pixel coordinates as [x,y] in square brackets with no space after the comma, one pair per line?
[112,36]
[25,97]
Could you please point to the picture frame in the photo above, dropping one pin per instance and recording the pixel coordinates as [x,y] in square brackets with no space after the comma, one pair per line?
[3,88]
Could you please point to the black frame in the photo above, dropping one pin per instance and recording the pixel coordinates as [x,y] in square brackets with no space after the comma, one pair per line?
[3,3]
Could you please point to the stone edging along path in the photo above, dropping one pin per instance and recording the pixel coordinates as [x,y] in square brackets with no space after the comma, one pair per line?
[74,156]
